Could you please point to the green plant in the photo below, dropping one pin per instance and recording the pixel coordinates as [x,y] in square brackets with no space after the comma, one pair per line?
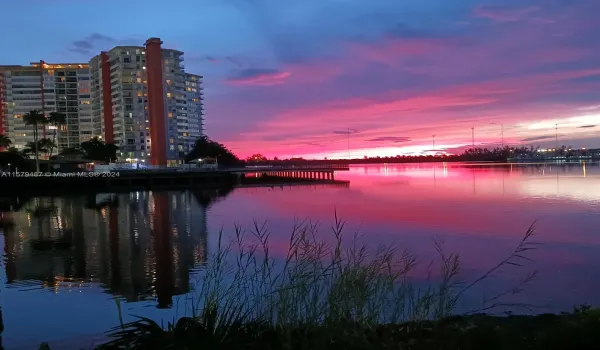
[248,294]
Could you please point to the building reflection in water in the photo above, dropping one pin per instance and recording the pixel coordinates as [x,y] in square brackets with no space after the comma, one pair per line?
[138,245]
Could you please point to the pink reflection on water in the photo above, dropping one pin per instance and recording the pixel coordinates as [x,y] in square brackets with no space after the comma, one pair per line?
[480,212]
[498,201]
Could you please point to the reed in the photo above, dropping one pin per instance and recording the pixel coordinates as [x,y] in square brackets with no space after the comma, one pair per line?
[248,293]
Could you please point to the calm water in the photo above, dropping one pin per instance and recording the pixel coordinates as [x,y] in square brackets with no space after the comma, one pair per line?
[109,250]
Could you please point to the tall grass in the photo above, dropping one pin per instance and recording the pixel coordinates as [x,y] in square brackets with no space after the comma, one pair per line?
[317,284]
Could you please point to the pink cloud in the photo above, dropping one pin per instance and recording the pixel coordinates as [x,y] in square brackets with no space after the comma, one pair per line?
[527,72]
[266,78]
[392,50]
[446,112]
[313,72]
[503,13]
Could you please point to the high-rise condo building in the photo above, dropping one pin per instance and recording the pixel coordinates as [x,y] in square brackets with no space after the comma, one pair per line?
[56,87]
[145,103]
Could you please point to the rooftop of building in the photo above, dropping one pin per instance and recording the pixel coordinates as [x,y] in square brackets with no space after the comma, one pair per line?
[36,66]
[121,47]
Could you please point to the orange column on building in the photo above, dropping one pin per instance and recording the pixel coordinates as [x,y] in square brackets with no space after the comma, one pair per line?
[42,64]
[156,102]
[2,102]
[109,136]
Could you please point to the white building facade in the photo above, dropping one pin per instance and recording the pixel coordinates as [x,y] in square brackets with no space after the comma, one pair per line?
[62,88]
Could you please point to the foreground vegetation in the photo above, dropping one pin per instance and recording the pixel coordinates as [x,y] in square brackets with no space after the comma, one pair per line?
[577,330]
[346,296]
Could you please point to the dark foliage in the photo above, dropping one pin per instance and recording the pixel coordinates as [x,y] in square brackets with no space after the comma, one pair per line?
[207,148]
[71,151]
[16,161]
[96,149]
[578,330]
[476,154]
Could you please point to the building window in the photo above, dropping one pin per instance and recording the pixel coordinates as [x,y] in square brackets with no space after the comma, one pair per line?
[170,114]
[171,141]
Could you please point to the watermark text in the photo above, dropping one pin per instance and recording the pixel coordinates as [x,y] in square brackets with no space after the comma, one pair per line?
[107,174]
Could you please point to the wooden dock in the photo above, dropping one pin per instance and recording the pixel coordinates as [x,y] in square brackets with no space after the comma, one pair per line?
[164,178]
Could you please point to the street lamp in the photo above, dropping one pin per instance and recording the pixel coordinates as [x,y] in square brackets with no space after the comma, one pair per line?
[433,138]
[556,135]
[501,132]
[473,137]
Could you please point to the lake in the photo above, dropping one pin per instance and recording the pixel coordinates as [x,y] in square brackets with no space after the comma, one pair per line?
[107,251]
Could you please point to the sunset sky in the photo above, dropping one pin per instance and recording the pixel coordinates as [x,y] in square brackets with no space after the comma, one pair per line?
[325,78]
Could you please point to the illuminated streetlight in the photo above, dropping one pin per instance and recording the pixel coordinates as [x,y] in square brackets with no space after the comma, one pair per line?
[473,137]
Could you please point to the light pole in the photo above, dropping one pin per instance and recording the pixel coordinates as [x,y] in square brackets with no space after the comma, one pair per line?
[473,137]
[556,135]
[433,138]
[348,143]
[501,133]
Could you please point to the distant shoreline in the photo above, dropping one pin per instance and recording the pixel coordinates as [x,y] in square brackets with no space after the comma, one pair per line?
[402,161]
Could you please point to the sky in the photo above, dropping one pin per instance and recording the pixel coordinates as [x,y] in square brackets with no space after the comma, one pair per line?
[332,78]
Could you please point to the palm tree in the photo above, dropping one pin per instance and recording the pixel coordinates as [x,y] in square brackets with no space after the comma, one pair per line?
[35,118]
[5,142]
[55,119]
[45,145]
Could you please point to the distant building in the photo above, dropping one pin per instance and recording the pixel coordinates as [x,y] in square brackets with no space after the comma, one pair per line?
[48,87]
[145,103]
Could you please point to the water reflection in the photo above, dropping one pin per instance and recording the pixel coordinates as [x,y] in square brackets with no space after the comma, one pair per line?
[537,180]
[139,245]
[145,246]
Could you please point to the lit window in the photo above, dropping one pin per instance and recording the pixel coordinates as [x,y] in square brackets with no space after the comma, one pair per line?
[172,147]
[170,115]
[139,80]
[168,82]
[139,94]
[171,141]
[169,95]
